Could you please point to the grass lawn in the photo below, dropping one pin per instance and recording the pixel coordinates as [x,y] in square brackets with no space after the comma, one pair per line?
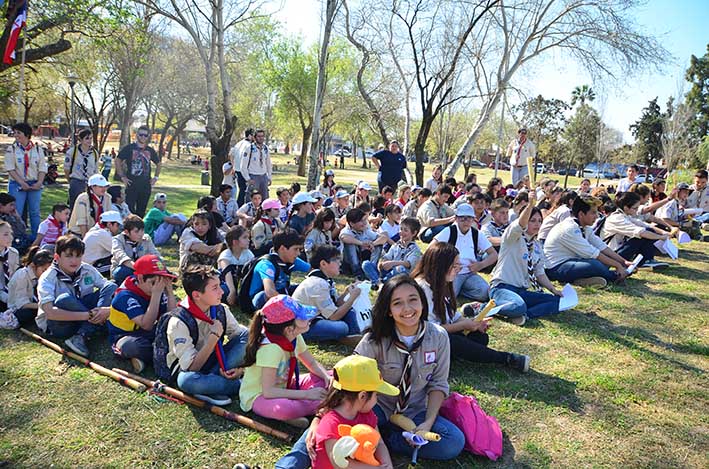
[620,381]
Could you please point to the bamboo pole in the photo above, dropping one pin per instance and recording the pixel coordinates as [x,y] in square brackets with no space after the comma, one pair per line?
[216,410]
[126,381]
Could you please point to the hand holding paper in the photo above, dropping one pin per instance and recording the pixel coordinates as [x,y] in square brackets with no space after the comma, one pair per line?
[569,298]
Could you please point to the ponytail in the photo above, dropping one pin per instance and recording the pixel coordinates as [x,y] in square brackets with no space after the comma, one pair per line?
[256,335]
[38,257]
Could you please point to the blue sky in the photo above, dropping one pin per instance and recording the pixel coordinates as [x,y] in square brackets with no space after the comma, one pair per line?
[682,26]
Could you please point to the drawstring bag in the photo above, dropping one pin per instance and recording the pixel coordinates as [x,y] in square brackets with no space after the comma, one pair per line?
[483,435]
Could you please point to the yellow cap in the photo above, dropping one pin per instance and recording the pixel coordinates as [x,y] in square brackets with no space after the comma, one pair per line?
[357,373]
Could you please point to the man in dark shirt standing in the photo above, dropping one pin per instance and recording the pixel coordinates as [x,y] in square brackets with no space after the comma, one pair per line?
[391,165]
[134,170]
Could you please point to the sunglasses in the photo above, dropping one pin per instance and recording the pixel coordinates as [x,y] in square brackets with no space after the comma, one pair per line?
[142,134]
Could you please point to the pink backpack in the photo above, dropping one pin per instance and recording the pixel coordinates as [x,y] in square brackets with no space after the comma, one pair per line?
[482,432]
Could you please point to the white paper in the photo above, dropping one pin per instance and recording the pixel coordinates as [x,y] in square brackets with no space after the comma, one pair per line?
[683,238]
[496,310]
[693,211]
[666,246]
[638,259]
[569,298]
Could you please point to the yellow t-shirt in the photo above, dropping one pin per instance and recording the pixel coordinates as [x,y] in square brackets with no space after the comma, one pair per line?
[268,356]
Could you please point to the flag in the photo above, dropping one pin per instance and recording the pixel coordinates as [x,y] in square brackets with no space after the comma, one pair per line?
[17,25]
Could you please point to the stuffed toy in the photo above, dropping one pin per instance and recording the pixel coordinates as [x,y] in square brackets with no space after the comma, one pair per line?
[358,442]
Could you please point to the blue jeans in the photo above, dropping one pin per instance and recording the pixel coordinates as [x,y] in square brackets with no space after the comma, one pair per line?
[130,346]
[208,381]
[634,246]
[429,233]
[164,232]
[325,329]
[351,257]
[524,302]
[120,273]
[66,329]
[471,285]
[703,218]
[574,269]
[31,198]
[375,275]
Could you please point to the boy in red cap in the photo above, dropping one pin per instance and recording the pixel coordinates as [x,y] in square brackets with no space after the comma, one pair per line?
[142,298]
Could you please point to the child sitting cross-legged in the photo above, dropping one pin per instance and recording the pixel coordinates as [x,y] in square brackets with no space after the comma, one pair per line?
[200,242]
[205,367]
[9,262]
[336,319]
[129,246]
[22,290]
[401,258]
[74,299]
[142,298]
[272,386]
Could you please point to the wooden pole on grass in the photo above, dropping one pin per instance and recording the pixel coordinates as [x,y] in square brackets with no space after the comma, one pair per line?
[216,410]
[126,381]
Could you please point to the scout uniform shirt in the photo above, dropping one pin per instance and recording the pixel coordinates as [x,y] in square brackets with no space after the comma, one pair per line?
[255,161]
[511,267]
[123,249]
[9,262]
[15,160]
[429,371]
[81,165]
[430,211]
[85,211]
[568,240]
[22,289]
[227,210]
[55,282]
[409,252]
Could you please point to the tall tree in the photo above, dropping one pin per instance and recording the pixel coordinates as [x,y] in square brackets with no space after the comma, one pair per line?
[545,120]
[676,133]
[648,134]
[601,35]
[698,96]
[581,94]
[582,134]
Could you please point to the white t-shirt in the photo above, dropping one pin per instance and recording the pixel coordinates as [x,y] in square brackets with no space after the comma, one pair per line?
[228,256]
[465,245]
[388,228]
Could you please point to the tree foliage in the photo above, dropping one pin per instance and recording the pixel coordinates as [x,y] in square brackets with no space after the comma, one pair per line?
[698,96]
[647,131]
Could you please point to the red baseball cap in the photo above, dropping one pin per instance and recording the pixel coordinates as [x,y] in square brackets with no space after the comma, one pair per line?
[151,265]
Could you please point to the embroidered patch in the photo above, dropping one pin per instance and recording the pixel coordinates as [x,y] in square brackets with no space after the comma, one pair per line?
[271,272]
[180,340]
[429,377]
[429,357]
[88,280]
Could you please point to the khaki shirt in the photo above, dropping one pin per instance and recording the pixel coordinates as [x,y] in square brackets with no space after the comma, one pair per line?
[180,346]
[21,290]
[431,365]
[81,213]
[528,150]
[122,251]
[511,267]
[13,262]
[568,240]
[430,211]
[699,199]
[15,160]
[76,170]
[619,226]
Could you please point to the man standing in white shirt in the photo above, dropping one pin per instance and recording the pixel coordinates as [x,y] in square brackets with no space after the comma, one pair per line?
[471,245]
[235,160]
[625,183]
[256,164]
[518,151]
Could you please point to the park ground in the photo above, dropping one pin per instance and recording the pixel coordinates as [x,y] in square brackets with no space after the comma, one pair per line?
[618,382]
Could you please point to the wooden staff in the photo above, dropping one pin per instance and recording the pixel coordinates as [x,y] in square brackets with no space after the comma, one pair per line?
[131,383]
[245,421]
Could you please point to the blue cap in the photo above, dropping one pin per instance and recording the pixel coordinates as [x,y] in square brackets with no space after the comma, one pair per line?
[342,193]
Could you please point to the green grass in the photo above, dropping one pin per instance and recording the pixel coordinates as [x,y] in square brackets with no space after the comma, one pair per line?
[620,381]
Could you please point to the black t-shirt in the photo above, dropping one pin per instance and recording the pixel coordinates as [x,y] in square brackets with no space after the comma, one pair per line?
[138,160]
[391,166]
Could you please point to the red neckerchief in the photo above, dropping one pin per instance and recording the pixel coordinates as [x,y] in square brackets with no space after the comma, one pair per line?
[402,202]
[99,203]
[289,348]
[269,222]
[57,223]
[27,151]
[197,313]
[129,284]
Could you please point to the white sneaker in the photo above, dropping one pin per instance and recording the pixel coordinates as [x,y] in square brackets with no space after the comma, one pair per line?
[300,422]
[215,399]
[591,282]
[654,265]
[517,320]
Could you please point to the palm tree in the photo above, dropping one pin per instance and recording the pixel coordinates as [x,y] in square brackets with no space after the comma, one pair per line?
[581,94]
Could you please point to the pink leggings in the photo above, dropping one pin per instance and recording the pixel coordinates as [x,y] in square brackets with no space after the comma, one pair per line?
[287,409]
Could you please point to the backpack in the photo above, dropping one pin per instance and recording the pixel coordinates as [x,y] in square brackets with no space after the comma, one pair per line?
[247,276]
[161,347]
[453,237]
[483,435]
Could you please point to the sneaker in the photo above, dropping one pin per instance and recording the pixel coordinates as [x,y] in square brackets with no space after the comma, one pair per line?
[300,422]
[8,321]
[591,282]
[470,310]
[516,320]
[518,362]
[654,265]
[77,344]
[705,226]
[138,365]
[351,340]
[216,399]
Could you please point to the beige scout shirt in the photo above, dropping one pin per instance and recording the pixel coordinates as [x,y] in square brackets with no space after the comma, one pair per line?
[430,211]
[567,241]
[699,199]
[511,267]
[316,291]
[13,262]
[180,342]
[431,365]
[619,226]
[528,150]
[81,213]
[21,290]
[122,251]
[15,160]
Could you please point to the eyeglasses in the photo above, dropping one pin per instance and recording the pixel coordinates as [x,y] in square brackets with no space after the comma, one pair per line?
[465,218]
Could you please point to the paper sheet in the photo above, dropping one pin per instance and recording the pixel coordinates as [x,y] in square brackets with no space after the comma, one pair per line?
[667,247]
[569,298]
[638,259]
[683,238]
[496,310]
[693,211]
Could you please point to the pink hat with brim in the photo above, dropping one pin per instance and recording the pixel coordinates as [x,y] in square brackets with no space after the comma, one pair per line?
[268,204]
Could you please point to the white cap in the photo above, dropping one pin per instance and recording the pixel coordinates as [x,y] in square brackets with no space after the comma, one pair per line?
[159,196]
[342,193]
[111,216]
[364,185]
[98,180]
[329,172]
[464,210]
[317,195]
[302,197]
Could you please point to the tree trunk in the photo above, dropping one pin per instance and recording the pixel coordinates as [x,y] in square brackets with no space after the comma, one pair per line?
[307,132]
[321,84]
[163,134]
[420,145]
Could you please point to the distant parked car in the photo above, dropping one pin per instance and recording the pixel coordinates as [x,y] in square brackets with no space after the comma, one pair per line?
[571,171]
[541,168]
[641,179]
[477,164]
[501,165]
[343,152]
[368,153]
[412,158]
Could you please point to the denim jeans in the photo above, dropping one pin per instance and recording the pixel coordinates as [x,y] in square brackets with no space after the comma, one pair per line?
[31,198]
[471,285]
[374,275]
[326,329]
[135,347]
[703,218]
[76,187]
[634,246]
[353,257]
[66,329]
[120,273]
[429,233]
[524,302]
[241,182]
[208,381]
[164,232]
[574,269]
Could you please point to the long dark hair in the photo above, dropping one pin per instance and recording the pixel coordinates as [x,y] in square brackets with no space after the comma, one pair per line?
[38,257]
[256,335]
[433,268]
[490,186]
[322,217]
[212,236]
[382,322]
[336,397]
